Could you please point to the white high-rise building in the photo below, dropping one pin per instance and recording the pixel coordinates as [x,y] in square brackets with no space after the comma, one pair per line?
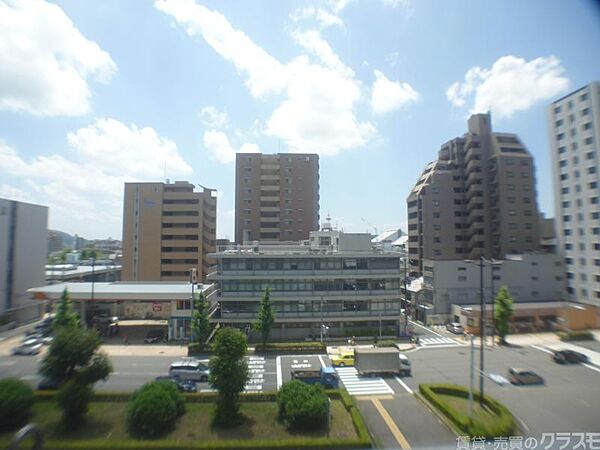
[23,245]
[574,123]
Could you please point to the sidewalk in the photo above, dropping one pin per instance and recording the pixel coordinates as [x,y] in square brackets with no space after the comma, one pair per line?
[146,350]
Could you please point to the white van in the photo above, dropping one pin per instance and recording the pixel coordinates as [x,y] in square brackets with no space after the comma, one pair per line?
[190,369]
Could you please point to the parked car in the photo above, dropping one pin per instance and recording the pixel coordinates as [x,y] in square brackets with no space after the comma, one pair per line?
[343,359]
[455,327]
[154,336]
[28,347]
[524,376]
[569,357]
[182,385]
[47,384]
[190,369]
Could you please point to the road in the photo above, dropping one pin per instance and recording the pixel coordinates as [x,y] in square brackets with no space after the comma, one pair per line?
[568,402]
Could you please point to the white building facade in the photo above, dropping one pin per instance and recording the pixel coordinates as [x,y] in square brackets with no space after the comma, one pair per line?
[23,245]
[530,277]
[574,123]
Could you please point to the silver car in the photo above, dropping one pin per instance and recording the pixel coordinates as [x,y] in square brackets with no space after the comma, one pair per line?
[190,369]
[455,327]
[28,347]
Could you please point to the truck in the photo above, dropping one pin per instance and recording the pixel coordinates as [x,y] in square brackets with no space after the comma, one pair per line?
[383,360]
[325,376]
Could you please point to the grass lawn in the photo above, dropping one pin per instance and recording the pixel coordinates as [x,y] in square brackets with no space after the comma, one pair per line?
[461,405]
[107,420]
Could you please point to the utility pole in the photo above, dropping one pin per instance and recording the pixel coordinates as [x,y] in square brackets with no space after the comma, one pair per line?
[472,381]
[493,303]
[405,299]
[193,279]
[93,276]
[481,331]
[322,324]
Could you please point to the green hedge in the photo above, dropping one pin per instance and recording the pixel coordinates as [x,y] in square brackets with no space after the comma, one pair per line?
[386,343]
[503,426]
[292,347]
[583,335]
[248,444]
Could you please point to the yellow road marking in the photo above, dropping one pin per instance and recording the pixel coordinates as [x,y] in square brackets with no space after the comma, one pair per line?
[374,397]
[391,424]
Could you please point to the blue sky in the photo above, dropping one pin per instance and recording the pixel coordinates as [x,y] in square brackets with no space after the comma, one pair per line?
[93,94]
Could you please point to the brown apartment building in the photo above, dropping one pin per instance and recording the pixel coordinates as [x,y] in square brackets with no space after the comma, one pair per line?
[477,198]
[276,196]
[168,229]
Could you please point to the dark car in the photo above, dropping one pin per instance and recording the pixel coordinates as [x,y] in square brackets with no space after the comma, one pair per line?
[569,357]
[47,384]
[524,376]
[154,336]
[182,385]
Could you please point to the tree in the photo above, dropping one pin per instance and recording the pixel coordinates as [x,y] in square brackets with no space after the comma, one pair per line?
[265,317]
[74,360]
[503,313]
[65,315]
[228,374]
[200,321]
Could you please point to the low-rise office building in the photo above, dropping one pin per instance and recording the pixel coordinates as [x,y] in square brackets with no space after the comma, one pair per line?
[158,301]
[333,283]
[530,277]
[60,273]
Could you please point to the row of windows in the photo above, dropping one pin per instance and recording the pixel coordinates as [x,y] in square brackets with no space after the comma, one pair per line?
[567,203]
[585,126]
[592,185]
[309,285]
[583,291]
[582,98]
[314,306]
[310,264]
[575,159]
[582,276]
[179,261]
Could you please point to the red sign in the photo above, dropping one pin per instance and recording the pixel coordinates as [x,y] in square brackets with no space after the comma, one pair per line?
[156,307]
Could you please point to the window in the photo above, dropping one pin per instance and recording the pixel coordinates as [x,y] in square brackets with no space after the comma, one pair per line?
[583,97]
[462,278]
[567,232]
[435,203]
[557,109]
[436,240]
[594,200]
[591,170]
[575,159]
[563,163]
[588,141]
[562,149]
[566,204]
[436,215]
[435,190]
[560,136]
[587,126]
[558,123]
[564,190]
[574,146]
[573,132]
[436,227]
[585,111]
[590,155]
[512,212]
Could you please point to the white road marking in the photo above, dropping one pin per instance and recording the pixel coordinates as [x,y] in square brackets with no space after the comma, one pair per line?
[404,385]
[428,329]
[322,361]
[279,376]
[545,350]
[358,385]
[591,367]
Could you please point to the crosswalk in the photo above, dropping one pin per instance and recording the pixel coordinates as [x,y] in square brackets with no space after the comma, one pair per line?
[359,385]
[437,341]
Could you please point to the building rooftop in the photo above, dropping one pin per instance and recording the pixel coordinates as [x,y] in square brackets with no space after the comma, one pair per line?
[122,290]
[68,270]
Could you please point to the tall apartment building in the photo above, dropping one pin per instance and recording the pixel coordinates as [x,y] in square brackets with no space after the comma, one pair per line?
[574,123]
[276,196]
[478,198]
[23,245]
[168,229]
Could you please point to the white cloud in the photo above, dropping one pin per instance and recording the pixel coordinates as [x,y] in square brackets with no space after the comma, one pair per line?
[11,192]
[85,193]
[512,84]
[220,149]
[127,150]
[265,74]
[387,95]
[317,111]
[312,41]
[322,16]
[396,3]
[45,62]
[211,117]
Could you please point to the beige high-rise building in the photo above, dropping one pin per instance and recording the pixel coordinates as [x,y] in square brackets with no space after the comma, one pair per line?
[478,198]
[574,122]
[168,229]
[276,196]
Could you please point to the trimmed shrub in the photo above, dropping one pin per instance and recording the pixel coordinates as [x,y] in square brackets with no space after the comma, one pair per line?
[302,406]
[16,401]
[74,398]
[386,343]
[504,425]
[154,409]
[583,335]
